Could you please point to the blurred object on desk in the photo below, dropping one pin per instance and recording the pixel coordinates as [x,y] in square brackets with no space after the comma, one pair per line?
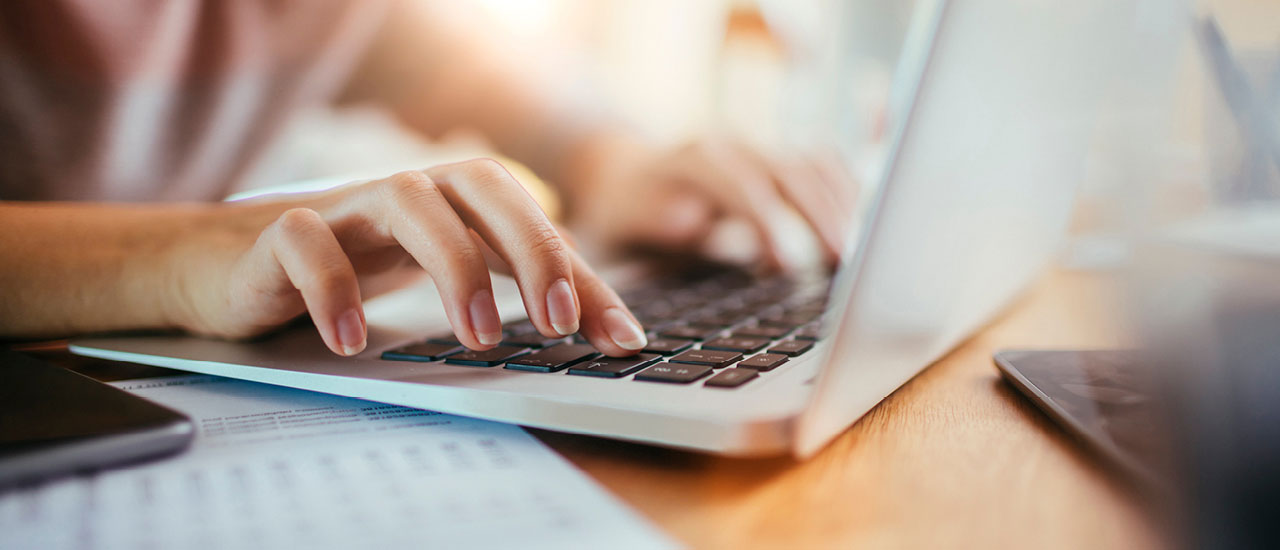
[1203,286]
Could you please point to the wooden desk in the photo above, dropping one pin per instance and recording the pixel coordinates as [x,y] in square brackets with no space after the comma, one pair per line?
[955,458]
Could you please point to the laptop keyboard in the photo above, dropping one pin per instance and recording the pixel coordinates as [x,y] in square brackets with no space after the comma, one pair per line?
[723,330]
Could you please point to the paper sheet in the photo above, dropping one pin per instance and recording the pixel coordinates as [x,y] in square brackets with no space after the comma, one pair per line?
[274,467]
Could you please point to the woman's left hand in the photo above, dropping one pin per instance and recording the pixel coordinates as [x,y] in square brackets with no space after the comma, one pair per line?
[673,199]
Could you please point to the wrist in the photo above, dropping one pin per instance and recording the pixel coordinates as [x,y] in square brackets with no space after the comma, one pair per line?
[185,268]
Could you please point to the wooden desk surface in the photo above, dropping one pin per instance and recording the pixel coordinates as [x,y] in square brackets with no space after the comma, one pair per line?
[955,458]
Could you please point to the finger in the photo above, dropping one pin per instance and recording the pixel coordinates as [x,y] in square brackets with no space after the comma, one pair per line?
[423,222]
[490,201]
[301,248]
[673,219]
[838,180]
[802,186]
[841,187]
[495,262]
[726,177]
[606,321]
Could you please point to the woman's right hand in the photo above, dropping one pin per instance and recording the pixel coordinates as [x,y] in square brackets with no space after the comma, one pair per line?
[255,266]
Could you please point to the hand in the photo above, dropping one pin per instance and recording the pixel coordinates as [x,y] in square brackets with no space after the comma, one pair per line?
[258,265]
[674,199]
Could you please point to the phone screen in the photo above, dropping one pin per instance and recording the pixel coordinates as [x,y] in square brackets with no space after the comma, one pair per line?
[1109,399]
[55,421]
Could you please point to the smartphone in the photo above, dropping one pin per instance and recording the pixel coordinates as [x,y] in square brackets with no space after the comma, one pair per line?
[1108,399]
[57,422]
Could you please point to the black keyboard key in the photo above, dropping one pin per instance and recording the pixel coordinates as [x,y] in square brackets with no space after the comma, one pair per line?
[662,317]
[421,352]
[736,343]
[791,318]
[763,362]
[515,328]
[533,340]
[613,367]
[792,347]
[769,311]
[732,378]
[667,346]
[489,358]
[692,332]
[657,327]
[673,373]
[711,358]
[720,319]
[771,332]
[554,358]
[738,314]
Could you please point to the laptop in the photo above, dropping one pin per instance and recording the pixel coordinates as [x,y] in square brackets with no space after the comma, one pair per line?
[990,105]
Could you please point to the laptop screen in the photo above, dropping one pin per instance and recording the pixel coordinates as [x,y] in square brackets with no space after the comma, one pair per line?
[989,109]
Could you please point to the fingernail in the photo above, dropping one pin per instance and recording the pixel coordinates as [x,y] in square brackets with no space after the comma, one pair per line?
[351,332]
[561,308]
[484,318]
[623,330]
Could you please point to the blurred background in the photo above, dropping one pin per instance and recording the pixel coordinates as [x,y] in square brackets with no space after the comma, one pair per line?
[672,69]
[754,69]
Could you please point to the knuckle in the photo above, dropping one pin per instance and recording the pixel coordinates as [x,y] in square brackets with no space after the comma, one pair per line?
[545,243]
[329,280]
[488,174]
[296,221]
[466,257]
[408,186]
[462,263]
[485,164]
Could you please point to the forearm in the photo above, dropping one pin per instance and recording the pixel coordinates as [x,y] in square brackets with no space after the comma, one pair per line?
[81,268]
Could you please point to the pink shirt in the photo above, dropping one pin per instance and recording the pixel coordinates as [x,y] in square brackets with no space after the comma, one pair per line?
[151,100]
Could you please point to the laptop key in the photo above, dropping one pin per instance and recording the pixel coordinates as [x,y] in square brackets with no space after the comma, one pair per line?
[763,362]
[791,318]
[718,319]
[614,367]
[421,352]
[487,358]
[666,346]
[792,347]
[445,338]
[711,358]
[553,359]
[673,373]
[530,340]
[692,332]
[732,378]
[519,327]
[736,343]
[771,332]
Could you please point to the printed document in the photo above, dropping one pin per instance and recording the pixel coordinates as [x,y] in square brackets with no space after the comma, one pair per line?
[274,467]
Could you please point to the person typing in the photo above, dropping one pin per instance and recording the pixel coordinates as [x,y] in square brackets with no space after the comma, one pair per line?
[123,124]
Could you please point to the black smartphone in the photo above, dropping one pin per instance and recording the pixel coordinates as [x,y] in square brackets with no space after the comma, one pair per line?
[1108,399]
[55,422]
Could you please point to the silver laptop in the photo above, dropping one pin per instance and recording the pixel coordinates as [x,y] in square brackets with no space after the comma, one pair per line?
[990,105]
